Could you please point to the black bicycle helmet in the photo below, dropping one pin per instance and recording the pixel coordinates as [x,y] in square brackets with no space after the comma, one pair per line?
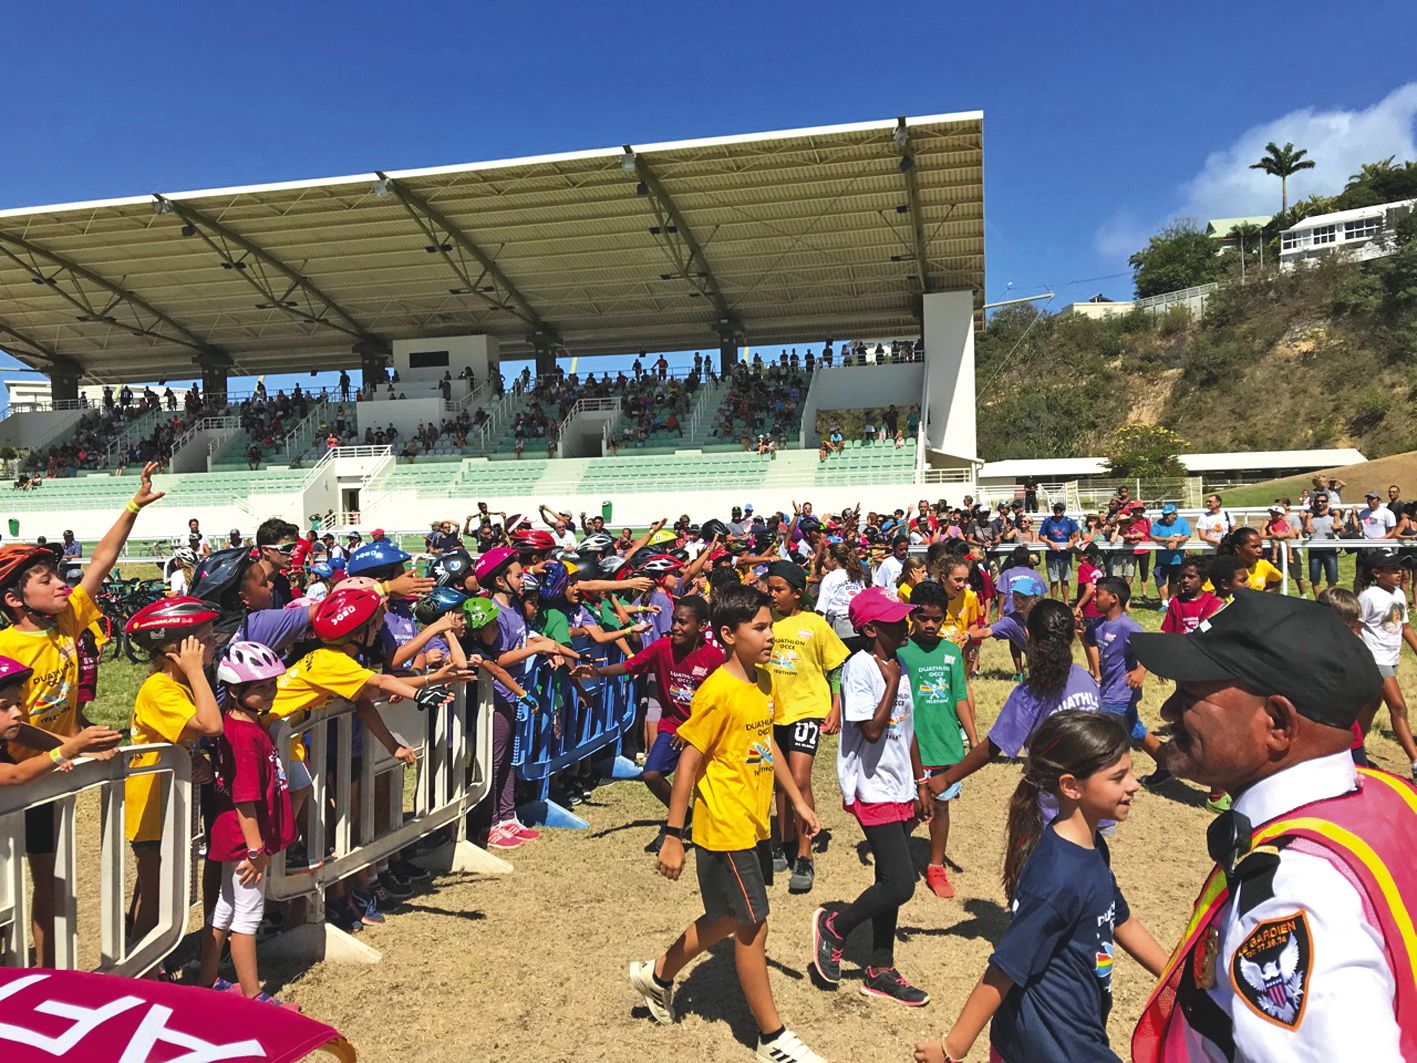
[452,570]
[221,573]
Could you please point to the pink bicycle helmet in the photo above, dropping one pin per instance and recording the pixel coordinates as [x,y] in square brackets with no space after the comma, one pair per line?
[493,563]
[249,662]
[359,583]
[12,672]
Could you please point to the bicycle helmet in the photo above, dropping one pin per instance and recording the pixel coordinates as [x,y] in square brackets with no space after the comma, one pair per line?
[344,611]
[451,570]
[249,662]
[533,541]
[808,524]
[664,535]
[479,612]
[554,578]
[167,617]
[186,555]
[221,573]
[713,526]
[17,557]
[611,565]
[322,569]
[436,602]
[377,555]
[361,583]
[661,565]
[12,672]
[599,543]
[530,583]
[493,563]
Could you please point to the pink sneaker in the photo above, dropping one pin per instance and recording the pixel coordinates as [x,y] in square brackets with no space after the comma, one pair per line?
[503,836]
[522,831]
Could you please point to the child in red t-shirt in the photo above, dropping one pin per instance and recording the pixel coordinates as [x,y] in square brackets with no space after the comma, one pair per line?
[1190,605]
[253,817]
[1085,609]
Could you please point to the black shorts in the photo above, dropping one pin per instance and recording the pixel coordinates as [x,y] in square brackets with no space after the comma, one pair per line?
[735,883]
[41,825]
[799,737]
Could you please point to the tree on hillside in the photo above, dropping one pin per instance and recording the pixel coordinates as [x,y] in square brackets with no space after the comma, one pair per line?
[1180,256]
[1251,238]
[1283,163]
[1145,451]
[1384,181]
[1369,171]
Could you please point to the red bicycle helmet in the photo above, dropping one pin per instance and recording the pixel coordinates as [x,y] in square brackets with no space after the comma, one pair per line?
[533,541]
[16,557]
[344,611]
[166,617]
[493,563]
[661,565]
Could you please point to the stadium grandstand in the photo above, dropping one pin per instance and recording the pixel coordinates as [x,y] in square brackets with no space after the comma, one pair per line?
[827,276]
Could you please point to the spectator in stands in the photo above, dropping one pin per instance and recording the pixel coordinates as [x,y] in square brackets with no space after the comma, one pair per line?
[197,540]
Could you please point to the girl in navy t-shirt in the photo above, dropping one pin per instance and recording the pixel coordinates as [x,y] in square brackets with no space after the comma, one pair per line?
[1048,986]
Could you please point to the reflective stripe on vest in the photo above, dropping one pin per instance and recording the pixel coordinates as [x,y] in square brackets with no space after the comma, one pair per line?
[1384,895]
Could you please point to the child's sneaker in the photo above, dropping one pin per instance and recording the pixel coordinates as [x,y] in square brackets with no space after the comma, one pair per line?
[266,998]
[342,914]
[659,999]
[503,837]
[786,1047]
[367,907]
[780,863]
[1157,779]
[886,983]
[393,886]
[221,985]
[1218,805]
[939,881]
[409,871]
[525,833]
[803,874]
[827,946]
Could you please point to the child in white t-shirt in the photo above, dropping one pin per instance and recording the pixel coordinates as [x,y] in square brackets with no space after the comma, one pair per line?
[1385,629]
[878,767]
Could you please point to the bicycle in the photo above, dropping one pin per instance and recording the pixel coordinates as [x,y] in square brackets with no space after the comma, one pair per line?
[119,600]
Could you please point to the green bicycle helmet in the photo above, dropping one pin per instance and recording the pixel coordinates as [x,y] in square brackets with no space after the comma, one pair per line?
[480,612]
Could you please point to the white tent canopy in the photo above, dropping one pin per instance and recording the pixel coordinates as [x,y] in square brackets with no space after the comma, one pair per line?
[760,238]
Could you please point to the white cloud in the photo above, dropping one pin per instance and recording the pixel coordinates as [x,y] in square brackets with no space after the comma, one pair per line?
[1339,142]
[1121,234]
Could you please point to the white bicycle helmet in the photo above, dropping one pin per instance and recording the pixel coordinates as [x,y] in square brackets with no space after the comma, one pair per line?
[249,662]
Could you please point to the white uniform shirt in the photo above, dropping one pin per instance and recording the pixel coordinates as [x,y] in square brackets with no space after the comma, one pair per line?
[1347,989]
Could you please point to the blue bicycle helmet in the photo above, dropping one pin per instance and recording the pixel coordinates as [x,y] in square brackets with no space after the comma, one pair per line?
[554,579]
[323,569]
[436,602]
[375,556]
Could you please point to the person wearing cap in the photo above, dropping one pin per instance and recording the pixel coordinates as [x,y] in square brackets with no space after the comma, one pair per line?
[1170,532]
[1383,609]
[1060,532]
[1300,946]
[377,535]
[888,571]
[878,768]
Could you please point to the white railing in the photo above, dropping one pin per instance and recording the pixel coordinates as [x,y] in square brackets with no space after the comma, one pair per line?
[453,776]
[478,394]
[1183,295]
[944,476]
[495,416]
[373,484]
[172,766]
[707,393]
[45,406]
[138,428]
[298,439]
[206,424]
[317,470]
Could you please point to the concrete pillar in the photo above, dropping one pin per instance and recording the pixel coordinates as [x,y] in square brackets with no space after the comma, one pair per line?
[951,426]
[213,386]
[545,360]
[63,383]
[372,362]
[727,354]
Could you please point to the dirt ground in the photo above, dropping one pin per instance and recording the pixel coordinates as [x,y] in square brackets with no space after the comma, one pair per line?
[532,965]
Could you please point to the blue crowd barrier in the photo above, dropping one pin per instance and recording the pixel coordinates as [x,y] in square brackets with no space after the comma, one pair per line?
[577,720]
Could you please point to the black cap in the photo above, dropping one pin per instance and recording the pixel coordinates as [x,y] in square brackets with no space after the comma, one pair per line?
[793,575]
[1384,557]
[1272,644]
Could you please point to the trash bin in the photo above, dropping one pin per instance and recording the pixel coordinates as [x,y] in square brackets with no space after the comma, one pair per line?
[15,526]
[606,508]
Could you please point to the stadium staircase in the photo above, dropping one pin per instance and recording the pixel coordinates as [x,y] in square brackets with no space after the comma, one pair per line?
[136,431]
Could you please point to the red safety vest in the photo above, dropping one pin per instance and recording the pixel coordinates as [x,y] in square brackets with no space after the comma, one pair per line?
[1371,833]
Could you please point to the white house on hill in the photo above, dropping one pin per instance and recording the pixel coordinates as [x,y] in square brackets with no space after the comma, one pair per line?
[1359,232]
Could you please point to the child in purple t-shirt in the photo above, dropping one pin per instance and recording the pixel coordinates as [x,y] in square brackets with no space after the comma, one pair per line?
[1024,590]
[1054,683]
[1122,676]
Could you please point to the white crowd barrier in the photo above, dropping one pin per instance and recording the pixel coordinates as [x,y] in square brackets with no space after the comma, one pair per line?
[62,790]
[453,775]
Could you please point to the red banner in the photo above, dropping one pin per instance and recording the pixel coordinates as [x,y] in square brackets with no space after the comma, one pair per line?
[99,1018]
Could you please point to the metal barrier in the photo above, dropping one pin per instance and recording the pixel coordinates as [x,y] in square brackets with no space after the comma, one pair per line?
[454,774]
[62,790]
[576,721]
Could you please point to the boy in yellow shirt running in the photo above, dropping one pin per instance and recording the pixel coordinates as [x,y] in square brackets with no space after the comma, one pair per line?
[730,761]
[806,692]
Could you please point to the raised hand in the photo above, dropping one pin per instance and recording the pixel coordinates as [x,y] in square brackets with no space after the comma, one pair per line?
[146,495]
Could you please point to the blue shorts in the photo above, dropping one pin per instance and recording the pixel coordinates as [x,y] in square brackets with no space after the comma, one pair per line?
[663,757]
[1060,566]
[1128,712]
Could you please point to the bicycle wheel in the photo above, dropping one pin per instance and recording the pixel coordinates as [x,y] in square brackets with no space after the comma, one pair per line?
[133,651]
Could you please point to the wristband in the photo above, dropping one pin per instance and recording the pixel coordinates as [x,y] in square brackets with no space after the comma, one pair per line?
[133,507]
[673,832]
[924,780]
[56,755]
[384,588]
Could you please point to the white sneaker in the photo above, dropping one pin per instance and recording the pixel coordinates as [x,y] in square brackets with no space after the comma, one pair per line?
[787,1048]
[659,1000]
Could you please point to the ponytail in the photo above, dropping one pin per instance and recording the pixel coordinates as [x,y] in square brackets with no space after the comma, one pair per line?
[1067,743]
[1050,647]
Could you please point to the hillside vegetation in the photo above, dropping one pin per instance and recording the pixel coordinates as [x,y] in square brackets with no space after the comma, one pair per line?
[1321,357]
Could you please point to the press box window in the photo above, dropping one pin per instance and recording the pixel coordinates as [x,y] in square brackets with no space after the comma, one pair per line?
[428,359]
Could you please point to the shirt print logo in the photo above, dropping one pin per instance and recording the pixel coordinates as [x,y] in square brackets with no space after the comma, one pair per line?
[784,659]
[1102,964]
[759,755]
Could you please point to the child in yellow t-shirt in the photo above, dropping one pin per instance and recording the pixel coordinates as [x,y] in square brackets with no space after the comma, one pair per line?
[175,704]
[806,691]
[730,762]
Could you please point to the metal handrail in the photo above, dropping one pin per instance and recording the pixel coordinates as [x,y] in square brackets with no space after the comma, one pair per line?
[303,432]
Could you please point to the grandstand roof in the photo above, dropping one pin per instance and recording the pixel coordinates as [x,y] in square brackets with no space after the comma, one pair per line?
[831,231]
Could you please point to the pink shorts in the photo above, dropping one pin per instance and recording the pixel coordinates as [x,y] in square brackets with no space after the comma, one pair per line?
[875,813]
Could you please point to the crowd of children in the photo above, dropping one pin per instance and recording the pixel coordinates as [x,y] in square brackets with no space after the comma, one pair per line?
[748,646]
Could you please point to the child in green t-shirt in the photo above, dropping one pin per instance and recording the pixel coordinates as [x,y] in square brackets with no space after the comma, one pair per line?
[943,705]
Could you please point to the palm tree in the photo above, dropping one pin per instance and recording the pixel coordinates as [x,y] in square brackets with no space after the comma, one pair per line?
[1246,232]
[1283,162]
[1370,170]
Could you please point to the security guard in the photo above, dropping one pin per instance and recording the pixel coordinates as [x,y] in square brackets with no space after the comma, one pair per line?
[1301,946]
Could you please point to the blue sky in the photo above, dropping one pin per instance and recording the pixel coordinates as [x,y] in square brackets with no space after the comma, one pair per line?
[1101,120]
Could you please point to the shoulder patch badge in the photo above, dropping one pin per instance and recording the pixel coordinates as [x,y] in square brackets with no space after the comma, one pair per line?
[1270,969]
